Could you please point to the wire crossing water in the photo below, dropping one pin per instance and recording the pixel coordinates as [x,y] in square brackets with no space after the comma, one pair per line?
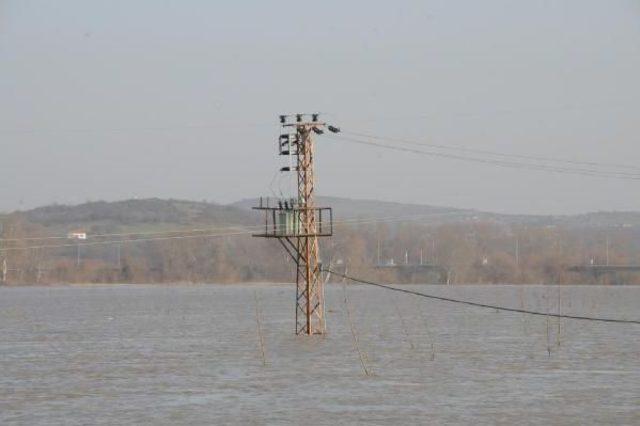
[126,354]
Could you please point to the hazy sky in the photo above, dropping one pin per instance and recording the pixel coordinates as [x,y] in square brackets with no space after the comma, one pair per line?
[117,99]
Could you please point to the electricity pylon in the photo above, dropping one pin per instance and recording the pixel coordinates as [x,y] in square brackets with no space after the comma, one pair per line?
[297,222]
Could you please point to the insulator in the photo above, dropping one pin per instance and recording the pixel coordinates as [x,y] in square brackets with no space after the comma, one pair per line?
[283,119]
[334,129]
[314,117]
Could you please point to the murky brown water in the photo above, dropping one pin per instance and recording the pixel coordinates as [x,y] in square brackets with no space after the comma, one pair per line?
[191,355]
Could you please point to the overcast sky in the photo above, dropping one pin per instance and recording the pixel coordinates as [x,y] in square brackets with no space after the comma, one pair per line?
[106,100]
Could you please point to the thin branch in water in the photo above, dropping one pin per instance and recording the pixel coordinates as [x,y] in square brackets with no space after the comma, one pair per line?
[259,327]
[559,319]
[548,325]
[356,343]
[403,323]
[428,330]
[522,307]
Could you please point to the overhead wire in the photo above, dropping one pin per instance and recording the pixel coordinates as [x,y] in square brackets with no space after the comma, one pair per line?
[108,242]
[481,305]
[235,226]
[239,231]
[125,234]
[495,162]
[494,153]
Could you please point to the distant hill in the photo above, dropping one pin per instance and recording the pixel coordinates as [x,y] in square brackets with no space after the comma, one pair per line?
[177,250]
[159,214]
[345,208]
[150,213]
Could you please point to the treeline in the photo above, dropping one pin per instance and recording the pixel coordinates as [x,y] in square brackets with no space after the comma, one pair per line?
[491,253]
[469,252]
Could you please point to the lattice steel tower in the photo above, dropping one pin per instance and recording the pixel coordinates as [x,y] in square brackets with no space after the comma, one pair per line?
[297,222]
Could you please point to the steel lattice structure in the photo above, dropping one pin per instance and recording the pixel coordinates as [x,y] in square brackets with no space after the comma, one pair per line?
[297,223]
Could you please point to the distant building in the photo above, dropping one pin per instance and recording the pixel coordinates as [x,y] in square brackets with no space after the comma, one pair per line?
[77,235]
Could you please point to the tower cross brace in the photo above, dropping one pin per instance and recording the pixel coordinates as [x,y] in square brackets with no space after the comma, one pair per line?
[297,223]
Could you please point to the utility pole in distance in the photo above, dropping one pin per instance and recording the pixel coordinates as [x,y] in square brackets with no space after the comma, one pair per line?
[3,259]
[297,222]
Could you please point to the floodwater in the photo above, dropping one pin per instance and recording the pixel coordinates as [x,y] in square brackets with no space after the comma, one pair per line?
[129,354]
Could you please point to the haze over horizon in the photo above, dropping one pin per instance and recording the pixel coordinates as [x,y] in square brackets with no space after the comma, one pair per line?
[115,100]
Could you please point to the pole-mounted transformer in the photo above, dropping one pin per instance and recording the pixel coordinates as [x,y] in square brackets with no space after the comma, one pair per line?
[297,223]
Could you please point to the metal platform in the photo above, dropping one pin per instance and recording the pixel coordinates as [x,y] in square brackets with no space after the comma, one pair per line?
[285,220]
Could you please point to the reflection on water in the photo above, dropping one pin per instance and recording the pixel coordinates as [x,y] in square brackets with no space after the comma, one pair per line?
[174,355]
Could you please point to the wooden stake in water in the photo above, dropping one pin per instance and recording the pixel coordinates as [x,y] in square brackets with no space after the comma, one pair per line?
[427,329]
[259,327]
[559,319]
[403,324]
[356,343]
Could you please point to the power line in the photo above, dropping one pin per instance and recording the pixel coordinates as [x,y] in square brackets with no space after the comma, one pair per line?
[228,226]
[125,234]
[482,305]
[133,234]
[500,163]
[495,153]
[96,243]
[245,231]
[503,163]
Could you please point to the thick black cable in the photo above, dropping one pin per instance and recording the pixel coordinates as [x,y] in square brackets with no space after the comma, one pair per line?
[482,305]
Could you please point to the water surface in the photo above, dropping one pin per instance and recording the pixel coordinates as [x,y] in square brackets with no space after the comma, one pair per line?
[191,355]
